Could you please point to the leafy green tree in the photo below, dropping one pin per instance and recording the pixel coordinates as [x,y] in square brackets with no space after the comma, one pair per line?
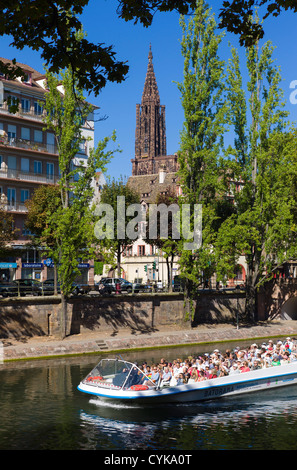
[52,27]
[116,242]
[237,17]
[201,171]
[168,244]
[45,201]
[8,232]
[72,223]
[262,226]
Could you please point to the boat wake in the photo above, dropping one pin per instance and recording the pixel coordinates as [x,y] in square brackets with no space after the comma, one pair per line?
[115,405]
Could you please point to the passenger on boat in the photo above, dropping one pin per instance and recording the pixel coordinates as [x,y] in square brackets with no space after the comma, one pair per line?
[275,360]
[166,376]
[177,369]
[290,343]
[155,375]
[135,378]
[244,367]
[285,359]
[194,375]
[181,379]
[256,365]
[201,376]
[163,362]
[207,371]
[231,362]
[214,372]
[234,369]
[186,373]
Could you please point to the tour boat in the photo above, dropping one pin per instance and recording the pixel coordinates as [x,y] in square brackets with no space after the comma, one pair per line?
[117,379]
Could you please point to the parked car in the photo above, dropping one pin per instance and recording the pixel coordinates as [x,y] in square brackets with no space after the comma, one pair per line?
[82,288]
[47,288]
[139,287]
[20,287]
[8,289]
[108,285]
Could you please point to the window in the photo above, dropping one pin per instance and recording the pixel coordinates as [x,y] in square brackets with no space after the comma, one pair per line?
[37,167]
[24,195]
[11,163]
[25,105]
[11,131]
[25,133]
[239,274]
[141,250]
[50,171]
[38,136]
[27,78]
[128,250]
[26,231]
[50,142]
[145,145]
[12,101]
[38,108]
[25,165]
[11,196]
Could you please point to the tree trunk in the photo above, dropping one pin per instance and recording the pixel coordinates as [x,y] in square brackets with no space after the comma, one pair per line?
[251,308]
[55,279]
[170,273]
[63,316]
[119,261]
[251,303]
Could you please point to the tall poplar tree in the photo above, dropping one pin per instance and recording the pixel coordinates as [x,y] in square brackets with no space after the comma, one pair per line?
[72,224]
[262,227]
[205,117]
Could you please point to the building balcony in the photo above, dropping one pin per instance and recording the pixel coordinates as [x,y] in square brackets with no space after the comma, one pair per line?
[27,113]
[27,145]
[13,206]
[28,177]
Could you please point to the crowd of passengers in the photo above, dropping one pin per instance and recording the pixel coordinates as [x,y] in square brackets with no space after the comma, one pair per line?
[216,364]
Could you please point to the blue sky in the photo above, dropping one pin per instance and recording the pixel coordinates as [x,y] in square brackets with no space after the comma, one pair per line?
[131,42]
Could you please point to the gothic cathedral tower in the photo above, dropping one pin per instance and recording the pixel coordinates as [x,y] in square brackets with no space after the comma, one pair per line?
[150,135]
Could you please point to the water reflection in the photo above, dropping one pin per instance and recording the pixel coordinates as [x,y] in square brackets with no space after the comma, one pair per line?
[223,424]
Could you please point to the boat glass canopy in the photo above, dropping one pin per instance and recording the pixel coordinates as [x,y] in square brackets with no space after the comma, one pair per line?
[118,374]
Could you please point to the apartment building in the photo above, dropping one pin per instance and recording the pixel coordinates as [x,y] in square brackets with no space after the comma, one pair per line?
[28,158]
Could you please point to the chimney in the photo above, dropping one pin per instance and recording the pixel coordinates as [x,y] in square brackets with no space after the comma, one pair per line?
[162,174]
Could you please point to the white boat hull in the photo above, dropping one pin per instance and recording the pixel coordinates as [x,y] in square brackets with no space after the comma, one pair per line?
[231,385]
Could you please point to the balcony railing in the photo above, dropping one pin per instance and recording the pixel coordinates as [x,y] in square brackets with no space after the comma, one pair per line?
[30,113]
[13,206]
[29,176]
[28,145]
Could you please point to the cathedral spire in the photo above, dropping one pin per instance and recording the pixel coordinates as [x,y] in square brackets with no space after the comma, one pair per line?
[150,135]
[150,56]
[150,90]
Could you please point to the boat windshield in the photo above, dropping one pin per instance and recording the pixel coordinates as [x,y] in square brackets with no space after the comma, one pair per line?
[115,373]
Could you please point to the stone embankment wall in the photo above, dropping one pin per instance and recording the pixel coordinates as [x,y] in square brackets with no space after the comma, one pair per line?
[39,316]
